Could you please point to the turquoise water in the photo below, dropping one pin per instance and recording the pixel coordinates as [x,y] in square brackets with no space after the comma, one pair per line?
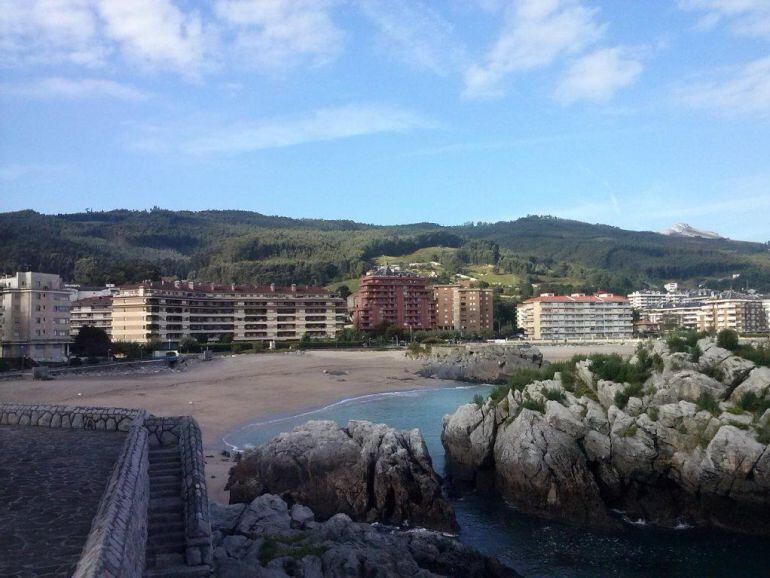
[532,546]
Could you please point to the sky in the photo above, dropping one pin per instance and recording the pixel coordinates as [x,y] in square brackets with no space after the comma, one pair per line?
[634,114]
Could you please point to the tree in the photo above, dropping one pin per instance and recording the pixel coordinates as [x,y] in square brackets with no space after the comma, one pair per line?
[91,342]
[343,291]
[728,339]
[189,344]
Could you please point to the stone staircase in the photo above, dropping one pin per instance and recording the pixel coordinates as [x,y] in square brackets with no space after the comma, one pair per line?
[165,552]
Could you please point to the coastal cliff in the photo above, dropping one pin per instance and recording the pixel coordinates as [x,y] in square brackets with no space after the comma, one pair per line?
[480,363]
[677,438]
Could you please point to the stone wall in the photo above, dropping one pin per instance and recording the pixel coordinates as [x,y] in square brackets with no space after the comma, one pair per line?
[58,416]
[163,431]
[194,495]
[116,544]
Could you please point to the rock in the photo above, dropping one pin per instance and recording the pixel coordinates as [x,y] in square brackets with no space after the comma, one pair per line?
[660,458]
[225,517]
[301,515]
[340,547]
[470,433]
[368,471]
[266,513]
[758,383]
[542,469]
[480,363]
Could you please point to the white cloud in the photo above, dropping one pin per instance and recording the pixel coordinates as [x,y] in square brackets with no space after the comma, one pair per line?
[597,76]
[274,34]
[535,33]
[49,31]
[328,124]
[414,33]
[744,91]
[744,17]
[80,88]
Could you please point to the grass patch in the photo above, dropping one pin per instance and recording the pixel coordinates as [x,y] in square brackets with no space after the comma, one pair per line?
[652,411]
[707,402]
[628,431]
[738,424]
[613,367]
[714,372]
[763,434]
[735,410]
[554,394]
[478,399]
[534,405]
[293,546]
[750,402]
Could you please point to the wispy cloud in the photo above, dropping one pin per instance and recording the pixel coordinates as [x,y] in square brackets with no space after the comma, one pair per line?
[414,33]
[535,33]
[741,91]
[281,33]
[743,17]
[323,125]
[79,88]
[597,76]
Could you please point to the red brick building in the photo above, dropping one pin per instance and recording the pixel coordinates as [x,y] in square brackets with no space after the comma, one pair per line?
[401,298]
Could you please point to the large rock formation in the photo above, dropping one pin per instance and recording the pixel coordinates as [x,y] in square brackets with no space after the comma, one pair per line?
[480,363]
[267,538]
[682,448]
[368,471]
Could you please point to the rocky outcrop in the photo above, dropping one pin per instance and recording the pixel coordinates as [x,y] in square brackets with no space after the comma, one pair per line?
[679,448]
[267,538]
[370,472]
[480,363]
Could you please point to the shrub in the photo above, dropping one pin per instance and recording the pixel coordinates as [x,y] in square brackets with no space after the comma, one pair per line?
[614,368]
[707,402]
[75,362]
[652,411]
[622,396]
[760,355]
[657,363]
[750,402]
[695,354]
[478,399]
[763,434]
[714,371]
[728,339]
[241,347]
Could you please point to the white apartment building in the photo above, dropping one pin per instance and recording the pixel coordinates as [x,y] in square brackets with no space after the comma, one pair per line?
[576,317]
[169,311]
[91,311]
[34,317]
[642,300]
[743,315]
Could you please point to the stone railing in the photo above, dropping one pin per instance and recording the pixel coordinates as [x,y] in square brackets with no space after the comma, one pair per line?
[194,495]
[116,544]
[58,416]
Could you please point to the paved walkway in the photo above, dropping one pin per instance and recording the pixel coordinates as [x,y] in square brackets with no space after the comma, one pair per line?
[51,481]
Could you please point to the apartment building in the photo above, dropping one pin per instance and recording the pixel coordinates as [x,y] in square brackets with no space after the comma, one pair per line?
[401,298]
[576,317]
[169,311]
[462,308]
[34,317]
[91,311]
[743,315]
[642,300]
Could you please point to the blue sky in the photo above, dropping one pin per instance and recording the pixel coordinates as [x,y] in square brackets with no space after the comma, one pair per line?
[635,114]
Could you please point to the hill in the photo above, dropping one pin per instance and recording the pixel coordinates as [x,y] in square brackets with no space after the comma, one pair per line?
[238,246]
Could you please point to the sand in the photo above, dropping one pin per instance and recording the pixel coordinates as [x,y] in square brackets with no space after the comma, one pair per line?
[227,393]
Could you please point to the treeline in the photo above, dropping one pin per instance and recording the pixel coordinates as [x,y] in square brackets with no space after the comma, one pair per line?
[243,247]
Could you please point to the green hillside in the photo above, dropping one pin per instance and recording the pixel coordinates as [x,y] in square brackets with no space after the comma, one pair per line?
[238,246]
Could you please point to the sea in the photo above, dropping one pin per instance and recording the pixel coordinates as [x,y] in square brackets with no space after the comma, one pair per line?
[530,545]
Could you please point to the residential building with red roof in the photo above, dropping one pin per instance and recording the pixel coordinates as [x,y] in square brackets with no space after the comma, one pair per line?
[576,317]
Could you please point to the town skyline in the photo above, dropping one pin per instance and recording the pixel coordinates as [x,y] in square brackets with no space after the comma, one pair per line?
[619,113]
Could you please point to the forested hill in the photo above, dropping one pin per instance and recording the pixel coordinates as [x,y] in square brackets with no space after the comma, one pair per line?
[239,246]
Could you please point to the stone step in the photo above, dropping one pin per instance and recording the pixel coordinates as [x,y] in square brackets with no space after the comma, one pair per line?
[164,517]
[155,548]
[176,486]
[157,528]
[175,537]
[178,571]
[165,460]
[164,492]
[166,505]
[167,559]
[165,478]
[161,469]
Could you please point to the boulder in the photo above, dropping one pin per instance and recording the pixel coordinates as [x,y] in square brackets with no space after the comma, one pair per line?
[480,363]
[260,545]
[757,382]
[369,471]
[469,434]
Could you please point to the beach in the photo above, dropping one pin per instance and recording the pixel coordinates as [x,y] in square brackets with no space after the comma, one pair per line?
[230,392]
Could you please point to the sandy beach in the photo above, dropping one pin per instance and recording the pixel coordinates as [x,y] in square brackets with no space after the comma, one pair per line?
[229,392]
